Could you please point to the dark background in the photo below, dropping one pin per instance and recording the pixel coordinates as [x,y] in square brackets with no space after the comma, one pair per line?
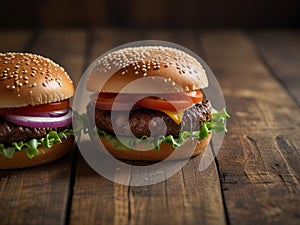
[151,13]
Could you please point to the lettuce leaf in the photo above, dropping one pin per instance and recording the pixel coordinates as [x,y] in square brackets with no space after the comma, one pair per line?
[215,125]
[31,146]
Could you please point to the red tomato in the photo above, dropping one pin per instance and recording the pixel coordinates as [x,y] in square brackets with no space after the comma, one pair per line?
[196,96]
[158,103]
[175,101]
[106,101]
[38,108]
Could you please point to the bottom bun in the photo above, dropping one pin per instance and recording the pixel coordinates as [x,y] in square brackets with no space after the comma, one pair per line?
[189,149]
[20,159]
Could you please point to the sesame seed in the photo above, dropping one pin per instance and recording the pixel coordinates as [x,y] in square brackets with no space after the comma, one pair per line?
[147,58]
[33,85]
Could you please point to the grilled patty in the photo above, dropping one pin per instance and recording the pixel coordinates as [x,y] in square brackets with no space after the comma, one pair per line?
[151,122]
[10,132]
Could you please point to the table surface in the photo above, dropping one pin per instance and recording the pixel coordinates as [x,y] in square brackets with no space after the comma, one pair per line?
[253,180]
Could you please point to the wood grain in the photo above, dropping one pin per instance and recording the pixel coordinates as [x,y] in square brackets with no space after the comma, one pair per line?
[258,162]
[280,51]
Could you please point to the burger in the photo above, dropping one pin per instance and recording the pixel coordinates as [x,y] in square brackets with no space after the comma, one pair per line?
[35,114]
[150,97]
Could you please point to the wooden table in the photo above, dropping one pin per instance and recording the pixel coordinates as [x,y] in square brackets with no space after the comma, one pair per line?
[254,178]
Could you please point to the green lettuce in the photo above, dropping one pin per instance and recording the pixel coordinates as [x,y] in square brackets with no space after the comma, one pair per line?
[215,125]
[31,146]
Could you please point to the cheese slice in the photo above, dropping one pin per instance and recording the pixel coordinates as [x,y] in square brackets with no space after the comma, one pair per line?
[176,116]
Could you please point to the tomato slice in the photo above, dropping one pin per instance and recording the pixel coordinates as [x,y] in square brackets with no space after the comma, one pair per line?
[106,101]
[196,96]
[173,102]
[158,103]
[36,109]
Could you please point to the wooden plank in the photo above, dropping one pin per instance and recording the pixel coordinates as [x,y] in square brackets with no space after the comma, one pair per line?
[189,197]
[40,195]
[280,51]
[15,40]
[259,160]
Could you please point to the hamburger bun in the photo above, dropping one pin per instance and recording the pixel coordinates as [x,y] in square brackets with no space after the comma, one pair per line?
[20,159]
[156,155]
[29,79]
[170,69]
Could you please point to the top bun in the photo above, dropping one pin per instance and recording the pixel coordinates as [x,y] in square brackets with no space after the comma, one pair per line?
[29,79]
[178,70]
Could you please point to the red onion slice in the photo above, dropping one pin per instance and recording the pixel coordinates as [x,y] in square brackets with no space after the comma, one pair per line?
[46,114]
[41,121]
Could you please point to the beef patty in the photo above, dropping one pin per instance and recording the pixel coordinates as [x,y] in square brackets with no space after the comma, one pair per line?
[140,121]
[10,132]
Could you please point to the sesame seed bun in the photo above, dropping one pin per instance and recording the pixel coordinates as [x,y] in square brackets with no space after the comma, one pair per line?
[46,155]
[155,155]
[29,79]
[171,70]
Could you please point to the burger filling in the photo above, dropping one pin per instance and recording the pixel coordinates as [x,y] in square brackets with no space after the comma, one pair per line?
[184,115]
[10,132]
[28,128]
[141,119]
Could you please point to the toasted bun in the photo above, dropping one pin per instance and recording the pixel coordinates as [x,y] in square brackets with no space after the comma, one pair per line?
[171,70]
[20,159]
[154,155]
[28,79]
